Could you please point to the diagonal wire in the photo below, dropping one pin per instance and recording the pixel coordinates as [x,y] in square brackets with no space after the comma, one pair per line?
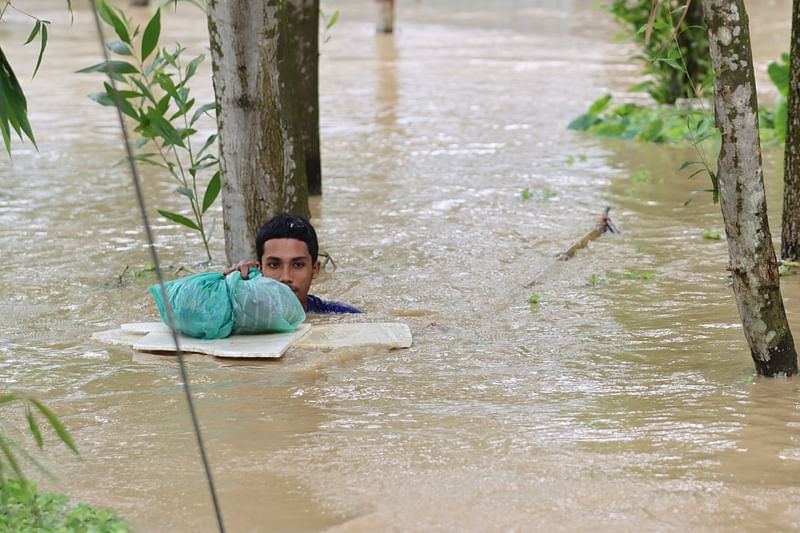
[154,258]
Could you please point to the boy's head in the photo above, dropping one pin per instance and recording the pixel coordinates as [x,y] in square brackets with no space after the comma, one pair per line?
[287,249]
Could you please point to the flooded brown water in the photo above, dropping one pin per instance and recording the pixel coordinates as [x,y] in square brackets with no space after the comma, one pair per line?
[623,405]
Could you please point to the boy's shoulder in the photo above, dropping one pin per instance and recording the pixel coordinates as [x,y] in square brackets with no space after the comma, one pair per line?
[318,305]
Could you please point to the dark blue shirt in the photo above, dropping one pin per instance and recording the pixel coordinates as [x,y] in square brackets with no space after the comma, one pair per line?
[318,305]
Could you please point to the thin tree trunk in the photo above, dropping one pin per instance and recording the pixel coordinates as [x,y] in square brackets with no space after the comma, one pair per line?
[304,29]
[385,21]
[756,283]
[263,167]
[790,233]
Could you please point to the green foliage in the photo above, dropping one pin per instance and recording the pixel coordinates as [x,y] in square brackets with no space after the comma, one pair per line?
[676,56]
[711,235]
[639,275]
[23,508]
[155,94]
[327,23]
[774,120]
[10,450]
[596,281]
[534,299]
[526,194]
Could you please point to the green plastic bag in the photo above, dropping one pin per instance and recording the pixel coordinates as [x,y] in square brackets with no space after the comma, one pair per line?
[262,305]
[200,305]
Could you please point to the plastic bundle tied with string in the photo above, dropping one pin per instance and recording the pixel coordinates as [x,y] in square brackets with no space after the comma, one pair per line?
[212,306]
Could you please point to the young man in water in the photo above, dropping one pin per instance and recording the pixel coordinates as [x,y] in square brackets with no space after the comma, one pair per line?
[287,248]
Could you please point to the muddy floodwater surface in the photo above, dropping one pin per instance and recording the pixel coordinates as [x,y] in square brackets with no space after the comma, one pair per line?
[624,401]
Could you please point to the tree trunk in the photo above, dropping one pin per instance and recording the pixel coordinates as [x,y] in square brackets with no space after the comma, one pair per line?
[790,234]
[261,158]
[385,21]
[304,28]
[756,283]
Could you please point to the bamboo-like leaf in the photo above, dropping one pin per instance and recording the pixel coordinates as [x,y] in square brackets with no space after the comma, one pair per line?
[111,16]
[151,35]
[39,466]
[120,48]
[55,423]
[41,50]
[34,427]
[687,164]
[117,67]
[186,191]
[34,32]
[211,191]
[332,20]
[6,449]
[180,219]
[13,106]
[191,68]
[209,142]
[8,398]
[166,131]
[201,110]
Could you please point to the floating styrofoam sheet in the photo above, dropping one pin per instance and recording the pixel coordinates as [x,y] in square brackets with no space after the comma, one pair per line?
[269,346]
[156,337]
[354,335]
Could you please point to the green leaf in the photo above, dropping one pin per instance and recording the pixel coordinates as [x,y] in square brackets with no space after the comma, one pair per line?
[186,191]
[34,32]
[55,423]
[209,142]
[166,131]
[583,122]
[180,219]
[13,106]
[10,458]
[107,100]
[332,20]
[779,74]
[117,67]
[687,164]
[41,50]
[34,427]
[191,68]
[151,35]
[211,191]
[201,110]
[112,17]
[120,48]
[711,235]
[599,105]
[8,398]
[781,117]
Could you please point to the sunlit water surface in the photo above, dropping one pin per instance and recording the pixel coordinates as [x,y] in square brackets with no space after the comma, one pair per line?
[615,404]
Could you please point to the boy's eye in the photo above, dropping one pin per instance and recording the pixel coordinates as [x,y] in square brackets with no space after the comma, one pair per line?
[299,264]
[272,264]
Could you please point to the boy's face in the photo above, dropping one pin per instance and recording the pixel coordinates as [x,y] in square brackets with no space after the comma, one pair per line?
[289,261]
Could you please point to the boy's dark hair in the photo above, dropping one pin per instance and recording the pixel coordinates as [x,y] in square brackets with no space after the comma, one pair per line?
[286,226]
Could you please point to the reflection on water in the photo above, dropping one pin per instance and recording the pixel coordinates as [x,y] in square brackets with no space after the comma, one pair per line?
[617,403]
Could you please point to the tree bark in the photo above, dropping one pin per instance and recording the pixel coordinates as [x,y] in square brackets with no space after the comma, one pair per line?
[261,158]
[304,28]
[385,21]
[756,283]
[790,232]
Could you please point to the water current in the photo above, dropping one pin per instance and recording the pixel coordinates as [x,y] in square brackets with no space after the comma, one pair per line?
[616,404]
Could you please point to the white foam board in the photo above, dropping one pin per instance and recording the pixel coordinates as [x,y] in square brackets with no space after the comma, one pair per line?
[355,335]
[269,346]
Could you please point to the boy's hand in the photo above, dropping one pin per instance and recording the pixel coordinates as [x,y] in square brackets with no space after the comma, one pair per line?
[243,267]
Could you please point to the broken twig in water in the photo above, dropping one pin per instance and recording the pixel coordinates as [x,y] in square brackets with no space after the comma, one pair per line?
[604,224]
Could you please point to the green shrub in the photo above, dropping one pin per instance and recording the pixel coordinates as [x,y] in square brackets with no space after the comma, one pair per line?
[24,508]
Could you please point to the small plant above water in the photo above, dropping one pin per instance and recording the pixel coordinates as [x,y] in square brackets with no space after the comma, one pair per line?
[596,281]
[640,249]
[534,300]
[548,193]
[526,194]
[711,235]
[639,275]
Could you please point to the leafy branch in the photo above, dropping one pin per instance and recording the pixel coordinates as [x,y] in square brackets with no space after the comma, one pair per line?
[156,96]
